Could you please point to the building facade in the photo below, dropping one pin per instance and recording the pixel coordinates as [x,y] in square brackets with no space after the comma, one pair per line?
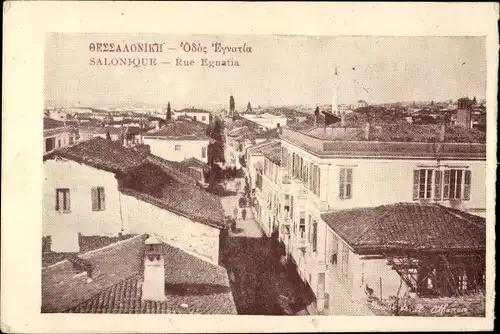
[335,169]
[179,140]
[100,188]
[57,134]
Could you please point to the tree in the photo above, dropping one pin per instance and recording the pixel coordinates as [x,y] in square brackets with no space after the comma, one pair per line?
[249,107]
[231,105]
[474,101]
[108,136]
[316,112]
[169,112]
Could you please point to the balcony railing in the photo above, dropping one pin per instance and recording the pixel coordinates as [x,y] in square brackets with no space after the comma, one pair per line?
[301,242]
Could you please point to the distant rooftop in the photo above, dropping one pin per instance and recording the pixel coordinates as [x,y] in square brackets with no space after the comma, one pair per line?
[192,110]
[49,123]
[181,129]
[388,136]
[102,154]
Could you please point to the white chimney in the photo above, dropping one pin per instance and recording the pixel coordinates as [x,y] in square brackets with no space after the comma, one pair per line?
[153,287]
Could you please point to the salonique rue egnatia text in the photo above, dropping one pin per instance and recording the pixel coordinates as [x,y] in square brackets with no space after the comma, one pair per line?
[188,48]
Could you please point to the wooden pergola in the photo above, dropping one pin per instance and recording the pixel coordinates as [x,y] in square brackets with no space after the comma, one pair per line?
[440,274]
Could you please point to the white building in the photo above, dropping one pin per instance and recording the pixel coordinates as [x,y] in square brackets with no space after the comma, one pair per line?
[178,140]
[361,104]
[337,170]
[266,121]
[199,115]
[57,134]
[102,188]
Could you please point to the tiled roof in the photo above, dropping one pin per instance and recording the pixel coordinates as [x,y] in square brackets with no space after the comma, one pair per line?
[176,170]
[193,162]
[102,154]
[162,189]
[103,130]
[408,227]
[202,286]
[257,149]
[49,123]
[273,152]
[181,130]
[387,128]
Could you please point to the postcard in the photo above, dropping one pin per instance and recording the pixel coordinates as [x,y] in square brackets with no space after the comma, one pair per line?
[248,167]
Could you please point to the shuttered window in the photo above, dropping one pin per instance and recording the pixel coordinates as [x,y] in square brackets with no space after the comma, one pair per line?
[467,182]
[315,236]
[438,184]
[415,183]
[98,199]
[345,183]
[63,203]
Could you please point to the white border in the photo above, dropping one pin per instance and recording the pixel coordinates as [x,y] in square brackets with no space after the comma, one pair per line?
[25,24]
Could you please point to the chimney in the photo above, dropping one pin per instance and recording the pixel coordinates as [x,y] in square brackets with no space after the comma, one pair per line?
[153,287]
[367,131]
[442,132]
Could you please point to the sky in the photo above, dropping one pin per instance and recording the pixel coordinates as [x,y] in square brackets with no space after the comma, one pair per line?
[280,70]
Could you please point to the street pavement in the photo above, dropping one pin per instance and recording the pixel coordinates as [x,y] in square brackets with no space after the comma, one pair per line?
[259,285]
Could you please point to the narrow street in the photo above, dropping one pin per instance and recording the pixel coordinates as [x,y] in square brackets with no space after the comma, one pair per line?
[259,285]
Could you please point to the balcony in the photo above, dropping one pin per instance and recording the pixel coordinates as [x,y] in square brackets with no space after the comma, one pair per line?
[301,243]
[302,193]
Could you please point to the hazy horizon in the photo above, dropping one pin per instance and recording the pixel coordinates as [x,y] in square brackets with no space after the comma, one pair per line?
[281,70]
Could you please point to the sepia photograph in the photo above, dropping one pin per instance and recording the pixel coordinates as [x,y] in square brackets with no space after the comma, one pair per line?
[264,175]
[248,167]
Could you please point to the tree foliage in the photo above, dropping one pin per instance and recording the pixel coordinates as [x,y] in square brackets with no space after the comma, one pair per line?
[169,112]
[249,107]
[231,104]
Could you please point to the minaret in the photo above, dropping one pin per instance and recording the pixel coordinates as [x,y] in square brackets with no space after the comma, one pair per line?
[153,287]
[335,95]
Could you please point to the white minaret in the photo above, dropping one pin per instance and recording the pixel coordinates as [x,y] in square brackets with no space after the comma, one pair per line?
[153,287]
[335,93]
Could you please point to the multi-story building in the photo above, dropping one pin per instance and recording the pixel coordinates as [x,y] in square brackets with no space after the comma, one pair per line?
[334,193]
[57,134]
[178,140]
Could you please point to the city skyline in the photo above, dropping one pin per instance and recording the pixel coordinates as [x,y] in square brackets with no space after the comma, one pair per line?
[280,70]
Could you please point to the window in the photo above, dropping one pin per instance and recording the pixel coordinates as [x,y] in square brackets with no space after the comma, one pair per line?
[97,197]
[71,140]
[203,118]
[62,200]
[302,225]
[194,118]
[50,144]
[456,184]
[177,147]
[345,183]
[59,143]
[422,183]
[203,152]
[316,175]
